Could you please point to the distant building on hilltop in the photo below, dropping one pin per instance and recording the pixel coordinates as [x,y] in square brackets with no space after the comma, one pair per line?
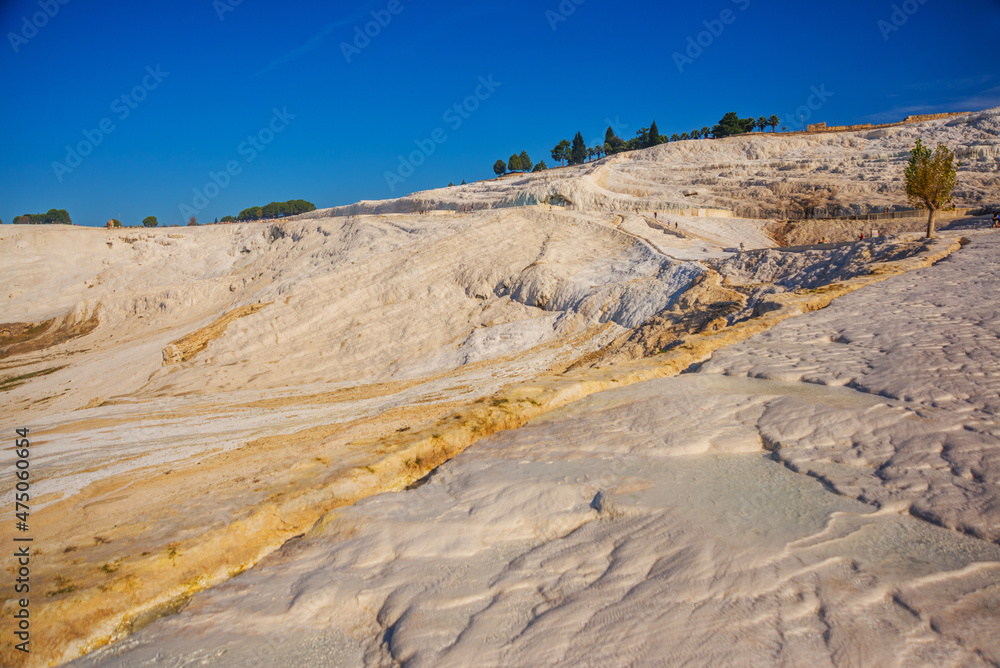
[822,127]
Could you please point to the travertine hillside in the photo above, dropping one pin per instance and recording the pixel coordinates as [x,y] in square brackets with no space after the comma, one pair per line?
[761,175]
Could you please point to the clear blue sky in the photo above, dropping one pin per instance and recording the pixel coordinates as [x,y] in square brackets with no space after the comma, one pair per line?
[220,79]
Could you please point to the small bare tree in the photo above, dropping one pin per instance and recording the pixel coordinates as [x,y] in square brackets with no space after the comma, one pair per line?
[930,180]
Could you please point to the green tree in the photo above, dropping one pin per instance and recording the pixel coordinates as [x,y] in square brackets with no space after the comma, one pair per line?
[292,207]
[540,167]
[761,123]
[561,152]
[706,132]
[641,138]
[684,136]
[463,182]
[499,167]
[150,221]
[514,163]
[451,184]
[302,206]
[54,216]
[253,213]
[773,121]
[228,219]
[654,135]
[728,126]
[930,180]
[675,137]
[612,142]
[526,163]
[578,153]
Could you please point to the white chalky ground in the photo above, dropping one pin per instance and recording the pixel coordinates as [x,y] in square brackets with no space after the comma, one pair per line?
[772,509]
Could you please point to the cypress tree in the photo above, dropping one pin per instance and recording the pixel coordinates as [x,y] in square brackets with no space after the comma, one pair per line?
[654,134]
[578,154]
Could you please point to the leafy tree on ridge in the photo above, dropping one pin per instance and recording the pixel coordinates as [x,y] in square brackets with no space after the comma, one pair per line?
[930,180]
[526,162]
[561,152]
[731,124]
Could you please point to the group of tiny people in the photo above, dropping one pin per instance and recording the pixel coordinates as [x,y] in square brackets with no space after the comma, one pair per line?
[656,216]
[872,233]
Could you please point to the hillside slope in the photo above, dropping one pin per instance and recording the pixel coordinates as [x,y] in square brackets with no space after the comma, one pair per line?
[198,397]
[761,175]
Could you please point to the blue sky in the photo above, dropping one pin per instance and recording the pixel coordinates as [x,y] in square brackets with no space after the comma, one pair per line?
[234,103]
